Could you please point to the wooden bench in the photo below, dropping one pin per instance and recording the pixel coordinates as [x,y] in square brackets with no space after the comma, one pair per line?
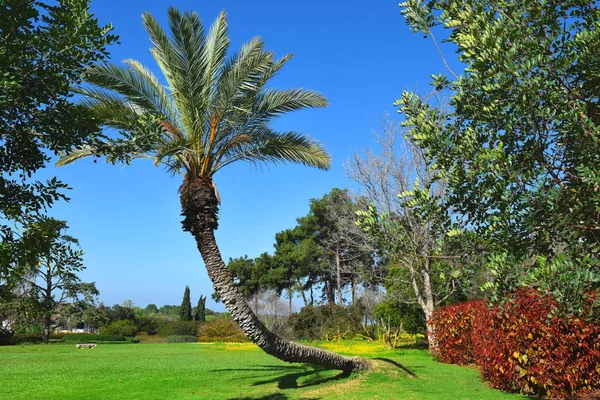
[86,346]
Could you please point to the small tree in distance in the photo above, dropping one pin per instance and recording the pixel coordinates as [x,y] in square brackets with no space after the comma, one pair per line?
[200,313]
[185,314]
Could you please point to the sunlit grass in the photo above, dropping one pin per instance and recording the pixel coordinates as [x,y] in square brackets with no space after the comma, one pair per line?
[225,371]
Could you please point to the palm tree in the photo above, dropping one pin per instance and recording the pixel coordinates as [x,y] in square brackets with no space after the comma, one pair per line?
[215,110]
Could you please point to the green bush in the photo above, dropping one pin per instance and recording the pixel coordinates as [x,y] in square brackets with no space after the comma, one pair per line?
[327,322]
[122,327]
[223,329]
[148,324]
[181,339]
[6,338]
[178,328]
[91,338]
[21,338]
[399,313]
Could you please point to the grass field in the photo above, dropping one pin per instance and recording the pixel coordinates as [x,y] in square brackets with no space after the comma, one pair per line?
[225,371]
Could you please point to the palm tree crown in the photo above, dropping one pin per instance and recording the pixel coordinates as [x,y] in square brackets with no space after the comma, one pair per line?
[214,110]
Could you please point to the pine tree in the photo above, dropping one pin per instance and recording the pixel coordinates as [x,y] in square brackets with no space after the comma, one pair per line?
[186,306]
[200,313]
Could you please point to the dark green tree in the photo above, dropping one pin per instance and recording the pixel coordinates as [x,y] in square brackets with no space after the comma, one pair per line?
[151,309]
[171,311]
[120,313]
[246,275]
[52,280]
[44,49]
[519,144]
[299,262]
[200,311]
[185,313]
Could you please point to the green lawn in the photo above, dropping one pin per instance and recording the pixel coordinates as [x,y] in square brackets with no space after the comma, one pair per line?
[219,371]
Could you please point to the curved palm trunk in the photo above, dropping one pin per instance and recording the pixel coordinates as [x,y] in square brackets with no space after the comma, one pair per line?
[199,209]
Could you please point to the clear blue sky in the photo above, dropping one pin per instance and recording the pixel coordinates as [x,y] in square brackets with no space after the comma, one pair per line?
[359,54]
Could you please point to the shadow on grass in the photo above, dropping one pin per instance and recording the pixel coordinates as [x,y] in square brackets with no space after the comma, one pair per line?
[398,365]
[287,377]
[276,396]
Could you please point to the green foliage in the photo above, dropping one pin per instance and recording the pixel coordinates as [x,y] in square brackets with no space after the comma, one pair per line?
[123,327]
[181,339]
[119,313]
[327,322]
[82,311]
[200,311]
[151,309]
[44,50]
[50,281]
[248,273]
[171,311]
[397,313]
[305,255]
[25,338]
[185,314]
[148,324]
[186,328]
[519,148]
[223,329]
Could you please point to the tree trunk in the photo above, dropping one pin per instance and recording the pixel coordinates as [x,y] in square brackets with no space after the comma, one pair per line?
[304,297]
[199,209]
[353,289]
[47,303]
[329,290]
[338,277]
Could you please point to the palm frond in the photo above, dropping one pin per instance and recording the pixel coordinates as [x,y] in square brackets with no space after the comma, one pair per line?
[113,111]
[215,53]
[157,91]
[141,89]
[169,61]
[74,155]
[273,103]
[213,111]
[267,146]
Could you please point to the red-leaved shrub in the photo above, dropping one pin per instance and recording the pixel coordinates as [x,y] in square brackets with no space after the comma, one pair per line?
[455,342]
[522,347]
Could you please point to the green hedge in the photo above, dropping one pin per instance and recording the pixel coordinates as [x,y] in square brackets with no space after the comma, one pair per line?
[181,339]
[27,338]
[178,328]
[91,338]
[20,338]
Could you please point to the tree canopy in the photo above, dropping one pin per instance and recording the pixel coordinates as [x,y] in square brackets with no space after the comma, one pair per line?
[519,146]
[44,50]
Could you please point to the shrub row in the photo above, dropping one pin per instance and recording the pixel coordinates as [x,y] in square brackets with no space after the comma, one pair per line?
[19,338]
[524,347]
[181,339]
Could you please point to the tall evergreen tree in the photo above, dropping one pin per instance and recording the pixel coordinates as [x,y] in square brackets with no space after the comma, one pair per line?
[185,314]
[200,313]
